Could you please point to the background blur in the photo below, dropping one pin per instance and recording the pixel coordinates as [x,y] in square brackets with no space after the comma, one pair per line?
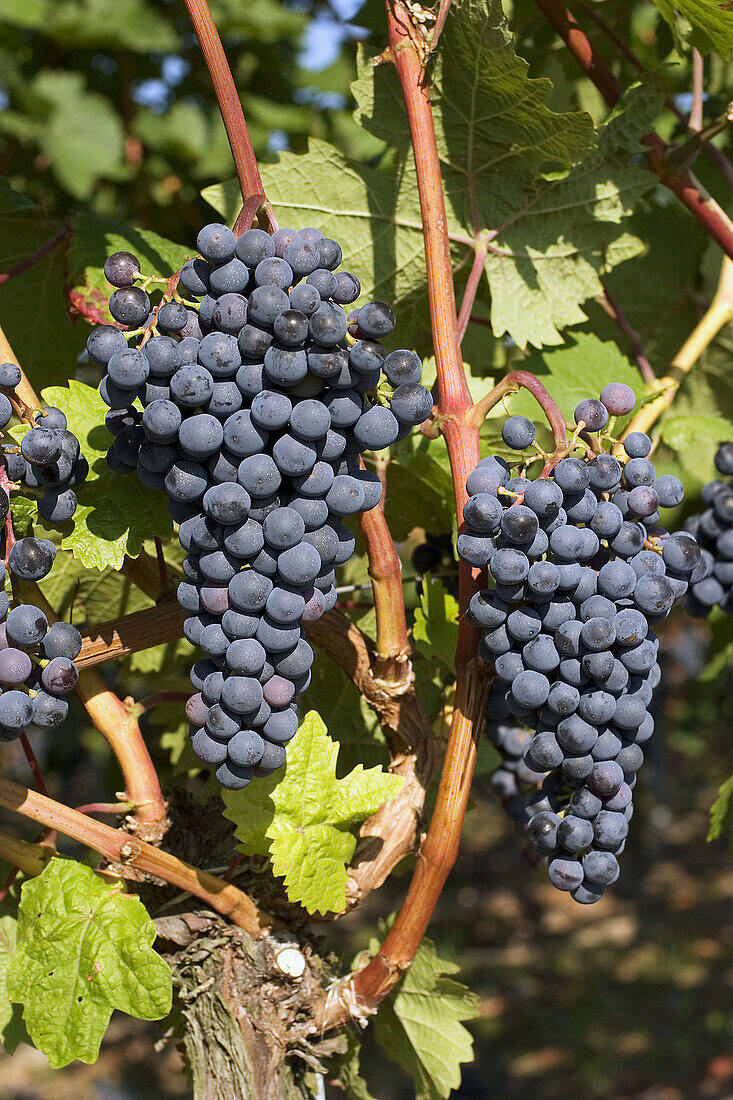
[106,106]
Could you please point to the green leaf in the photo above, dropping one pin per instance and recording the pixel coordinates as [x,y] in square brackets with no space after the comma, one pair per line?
[580,368]
[506,156]
[114,516]
[83,135]
[133,25]
[302,816]
[93,240]
[345,713]
[11,200]
[705,24]
[347,1070]
[419,484]
[115,512]
[420,1026]
[8,931]
[690,433]
[47,351]
[83,950]
[721,811]
[436,622]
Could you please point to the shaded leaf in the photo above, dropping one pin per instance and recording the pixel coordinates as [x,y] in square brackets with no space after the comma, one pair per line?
[436,622]
[705,24]
[94,239]
[115,512]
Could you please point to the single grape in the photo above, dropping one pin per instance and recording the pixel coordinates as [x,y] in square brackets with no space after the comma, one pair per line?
[592,414]
[618,398]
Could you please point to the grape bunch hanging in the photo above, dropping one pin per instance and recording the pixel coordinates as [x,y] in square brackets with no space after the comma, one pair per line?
[258,395]
[713,530]
[580,572]
[37,661]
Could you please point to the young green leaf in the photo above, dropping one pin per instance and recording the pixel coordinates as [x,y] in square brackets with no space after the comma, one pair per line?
[721,812]
[83,950]
[420,1025]
[8,931]
[436,622]
[303,814]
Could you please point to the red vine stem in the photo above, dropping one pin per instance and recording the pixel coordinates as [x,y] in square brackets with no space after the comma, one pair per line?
[704,208]
[362,991]
[510,383]
[130,851]
[454,398]
[613,309]
[469,294]
[250,181]
[33,763]
[715,154]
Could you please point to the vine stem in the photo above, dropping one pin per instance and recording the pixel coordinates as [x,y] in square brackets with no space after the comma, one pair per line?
[25,855]
[510,383]
[469,294]
[120,728]
[454,398]
[362,991]
[33,763]
[701,205]
[245,162]
[132,852]
[385,571]
[715,154]
[719,314]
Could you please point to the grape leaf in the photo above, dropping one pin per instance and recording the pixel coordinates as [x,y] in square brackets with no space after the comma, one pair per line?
[302,816]
[8,931]
[94,23]
[705,24]
[549,201]
[115,512]
[344,711]
[419,485]
[347,1069]
[578,369]
[436,622]
[721,811]
[11,200]
[420,1025]
[93,240]
[83,950]
[690,433]
[373,213]
[47,351]
[114,516]
[82,136]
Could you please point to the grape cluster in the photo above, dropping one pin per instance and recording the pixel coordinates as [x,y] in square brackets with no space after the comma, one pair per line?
[37,666]
[713,529]
[49,460]
[36,660]
[579,573]
[256,405]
